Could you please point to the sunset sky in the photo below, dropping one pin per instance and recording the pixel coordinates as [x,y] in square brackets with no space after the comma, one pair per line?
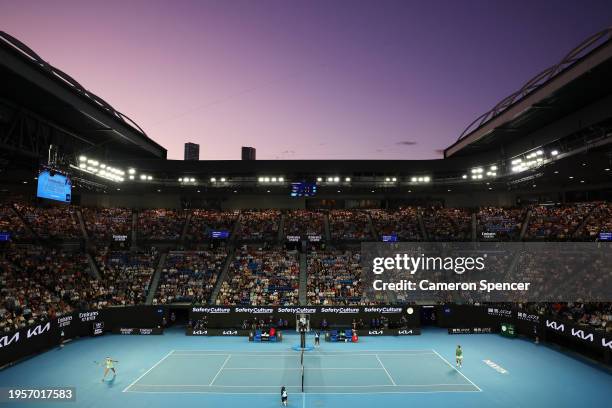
[303,79]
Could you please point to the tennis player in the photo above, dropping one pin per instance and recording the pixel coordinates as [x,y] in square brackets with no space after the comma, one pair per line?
[284,396]
[317,338]
[459,356]
[109,365]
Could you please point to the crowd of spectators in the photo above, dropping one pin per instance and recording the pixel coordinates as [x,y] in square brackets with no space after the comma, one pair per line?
[403,223]
[260,224]
[160,224]
[38,283]
[304,223]
[11,223]
[55,222]
[204,221]
[334,278]
[600,221]
[104,223]
[448,224]
[261,277]
[556,222]
[499,224]
[189,276]
[127,275]
[349,225]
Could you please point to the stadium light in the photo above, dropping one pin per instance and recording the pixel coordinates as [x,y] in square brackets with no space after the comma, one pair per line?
[180,179]
[213,180]
[132,171]
[83,158]
[554,153]
[394,179]
[143,177]
[281,179]
[149,178]
[348,179]
[319,179]
[464,176]
[131,177]
[273,179]
[260,179]
[336,179]
[223,179]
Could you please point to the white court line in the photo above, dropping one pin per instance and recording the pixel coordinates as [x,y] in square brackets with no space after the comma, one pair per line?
[220,369]
[305,368]
[146,372]
[306,386]
[385,368]
[305,355]
[237,352]
[310,393]
[455,368]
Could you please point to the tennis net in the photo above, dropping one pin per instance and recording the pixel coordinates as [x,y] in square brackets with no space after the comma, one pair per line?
[302,366]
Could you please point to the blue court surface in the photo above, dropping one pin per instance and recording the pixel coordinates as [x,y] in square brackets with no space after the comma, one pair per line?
[175,370]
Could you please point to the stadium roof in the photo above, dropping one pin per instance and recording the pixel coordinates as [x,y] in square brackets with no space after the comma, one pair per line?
[582,77]
[31,82]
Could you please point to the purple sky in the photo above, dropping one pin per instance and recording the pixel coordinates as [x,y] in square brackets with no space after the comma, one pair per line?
[303,79]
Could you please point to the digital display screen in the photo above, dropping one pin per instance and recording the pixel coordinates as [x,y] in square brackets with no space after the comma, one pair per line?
[389,238]
[54,187]
[219,234]
[303,189]
[120,238]
[605,236]
[5,236]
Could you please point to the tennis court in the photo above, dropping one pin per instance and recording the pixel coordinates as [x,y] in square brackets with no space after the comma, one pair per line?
[314,372]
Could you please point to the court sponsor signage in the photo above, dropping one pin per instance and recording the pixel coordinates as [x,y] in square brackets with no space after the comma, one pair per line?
[218,332]
[495,366]
[254,310]
[528,317]
[383,310]
[64,321]
[493,311]
[471,330]
[211,310]
[136,331]
[583,334]
[340,310]
[88,316]
[390,332]
[297,310]
[40,337]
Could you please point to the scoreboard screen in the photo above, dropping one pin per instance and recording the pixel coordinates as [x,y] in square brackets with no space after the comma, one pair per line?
[54,186]
[220,234]
[303,189]
[605,236]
